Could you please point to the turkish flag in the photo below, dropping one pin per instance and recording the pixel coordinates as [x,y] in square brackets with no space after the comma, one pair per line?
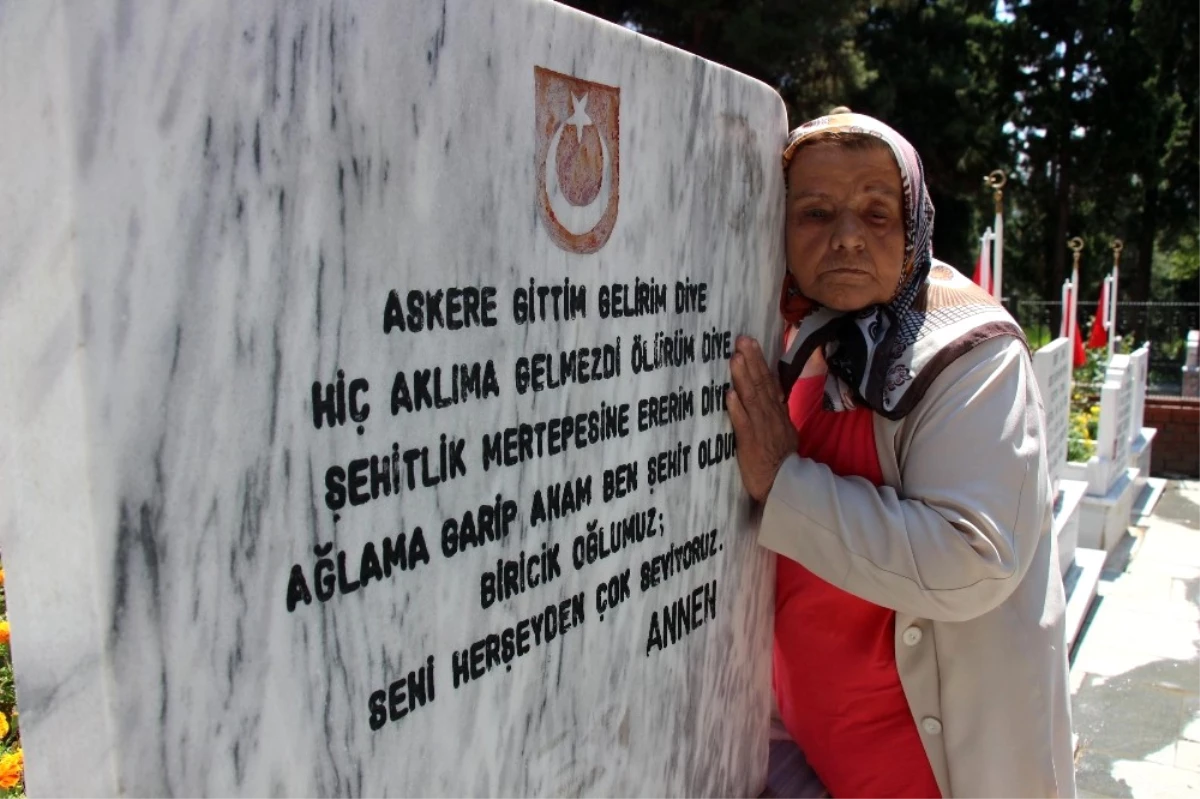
[1080,354]
[1099,337]
[982,279]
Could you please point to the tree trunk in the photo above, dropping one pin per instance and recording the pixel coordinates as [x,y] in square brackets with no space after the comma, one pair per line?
[1063,171]
[1147,232]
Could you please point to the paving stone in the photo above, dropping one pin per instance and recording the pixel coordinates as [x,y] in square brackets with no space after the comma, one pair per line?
[1123,717]
[1077,678]
[1164,756]
[1148,585]
[1187,755]
[1164,608]
[1135,677]
[1114,627]
[1191,719]
[1168,543]
[1101,775]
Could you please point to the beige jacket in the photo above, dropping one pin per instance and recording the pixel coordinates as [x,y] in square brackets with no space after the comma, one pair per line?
[958,542]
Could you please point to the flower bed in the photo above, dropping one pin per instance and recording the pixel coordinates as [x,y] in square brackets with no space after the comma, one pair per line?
[1085,413]
[12,759]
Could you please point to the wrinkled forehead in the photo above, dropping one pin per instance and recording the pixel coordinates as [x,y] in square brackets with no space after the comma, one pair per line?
[854,131]
[866,161]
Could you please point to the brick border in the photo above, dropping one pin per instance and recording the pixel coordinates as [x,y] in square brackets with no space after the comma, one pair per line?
[1177,447]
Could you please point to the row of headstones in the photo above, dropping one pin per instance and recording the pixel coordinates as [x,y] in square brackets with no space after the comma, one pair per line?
[1103,488]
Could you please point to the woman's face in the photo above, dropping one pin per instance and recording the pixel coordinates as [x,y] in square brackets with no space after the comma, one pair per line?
[845,225]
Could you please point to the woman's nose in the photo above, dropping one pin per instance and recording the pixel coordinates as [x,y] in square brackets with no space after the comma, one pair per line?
[849,232]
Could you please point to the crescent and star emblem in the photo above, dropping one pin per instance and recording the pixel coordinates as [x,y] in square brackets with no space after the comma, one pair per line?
[575,118]
[577,219]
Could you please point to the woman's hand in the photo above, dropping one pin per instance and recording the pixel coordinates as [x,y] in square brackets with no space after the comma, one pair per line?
[759,412]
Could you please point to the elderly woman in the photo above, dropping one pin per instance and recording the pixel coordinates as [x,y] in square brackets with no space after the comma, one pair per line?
[899,454]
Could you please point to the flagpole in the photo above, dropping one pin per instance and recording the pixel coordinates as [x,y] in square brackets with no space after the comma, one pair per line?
[1064,322]
[1075,245]
[1117,246]
[996,181]
[985,261]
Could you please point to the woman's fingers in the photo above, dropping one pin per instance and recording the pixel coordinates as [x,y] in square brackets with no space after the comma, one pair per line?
[752,378]
[737,414]
[764,432]
[763,377]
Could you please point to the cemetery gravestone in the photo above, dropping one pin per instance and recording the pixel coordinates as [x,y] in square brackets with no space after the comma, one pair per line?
[1116,422]
[1141,438]
[1139,365]
[1105,510]
[364,427]
[1052,366]
[1191,365]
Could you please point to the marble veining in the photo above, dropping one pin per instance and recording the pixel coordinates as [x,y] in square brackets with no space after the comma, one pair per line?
[206,207]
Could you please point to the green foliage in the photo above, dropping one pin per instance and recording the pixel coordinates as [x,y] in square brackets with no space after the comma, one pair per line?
[1177,271]
[1037,336]
[1089,106]
[1085,410]
[804,48]
[937,84]
[1081,435]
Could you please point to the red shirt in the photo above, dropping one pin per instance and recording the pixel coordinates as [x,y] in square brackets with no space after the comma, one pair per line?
[836,682]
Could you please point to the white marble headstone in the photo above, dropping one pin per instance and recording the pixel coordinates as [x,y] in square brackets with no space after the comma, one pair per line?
[1116,421]
[1191,366]
[1052,366]
[1139,365]
[362,421]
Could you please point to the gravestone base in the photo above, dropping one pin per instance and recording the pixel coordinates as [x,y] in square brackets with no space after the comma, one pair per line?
[1147,498]
[1080,582]
[1066,521]
[1139,454]
[1075,470]
[1103,519]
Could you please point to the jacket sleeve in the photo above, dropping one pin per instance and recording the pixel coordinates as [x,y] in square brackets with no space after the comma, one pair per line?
[957,537]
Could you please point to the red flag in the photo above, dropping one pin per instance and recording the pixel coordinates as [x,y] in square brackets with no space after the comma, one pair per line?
[983,267]
[1080,354]
[1099,337]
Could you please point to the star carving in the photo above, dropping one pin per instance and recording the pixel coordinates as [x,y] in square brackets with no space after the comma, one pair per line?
[579,116]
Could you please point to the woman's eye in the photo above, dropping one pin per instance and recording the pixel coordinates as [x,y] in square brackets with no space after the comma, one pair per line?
[815,213]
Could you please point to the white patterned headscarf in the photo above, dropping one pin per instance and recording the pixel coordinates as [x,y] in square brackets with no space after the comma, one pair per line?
[886,355]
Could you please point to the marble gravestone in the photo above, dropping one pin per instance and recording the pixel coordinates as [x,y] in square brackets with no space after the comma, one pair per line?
[1052,367]
[1114,431]
[1111,481]
[363,394]
[1141,438]
[1191,365]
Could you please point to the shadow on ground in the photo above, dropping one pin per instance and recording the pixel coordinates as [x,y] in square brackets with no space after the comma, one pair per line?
[1138,715]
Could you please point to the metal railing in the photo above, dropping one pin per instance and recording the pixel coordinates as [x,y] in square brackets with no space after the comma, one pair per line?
[1164,324]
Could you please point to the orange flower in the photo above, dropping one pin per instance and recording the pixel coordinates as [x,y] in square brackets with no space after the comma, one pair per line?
[11,767]
[1,576]
[3,725]
[5,633]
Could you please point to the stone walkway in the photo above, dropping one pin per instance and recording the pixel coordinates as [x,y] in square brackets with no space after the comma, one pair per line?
[1135,678]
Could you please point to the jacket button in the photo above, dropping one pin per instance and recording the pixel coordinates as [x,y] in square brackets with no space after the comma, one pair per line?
[912,636]
[931,725]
